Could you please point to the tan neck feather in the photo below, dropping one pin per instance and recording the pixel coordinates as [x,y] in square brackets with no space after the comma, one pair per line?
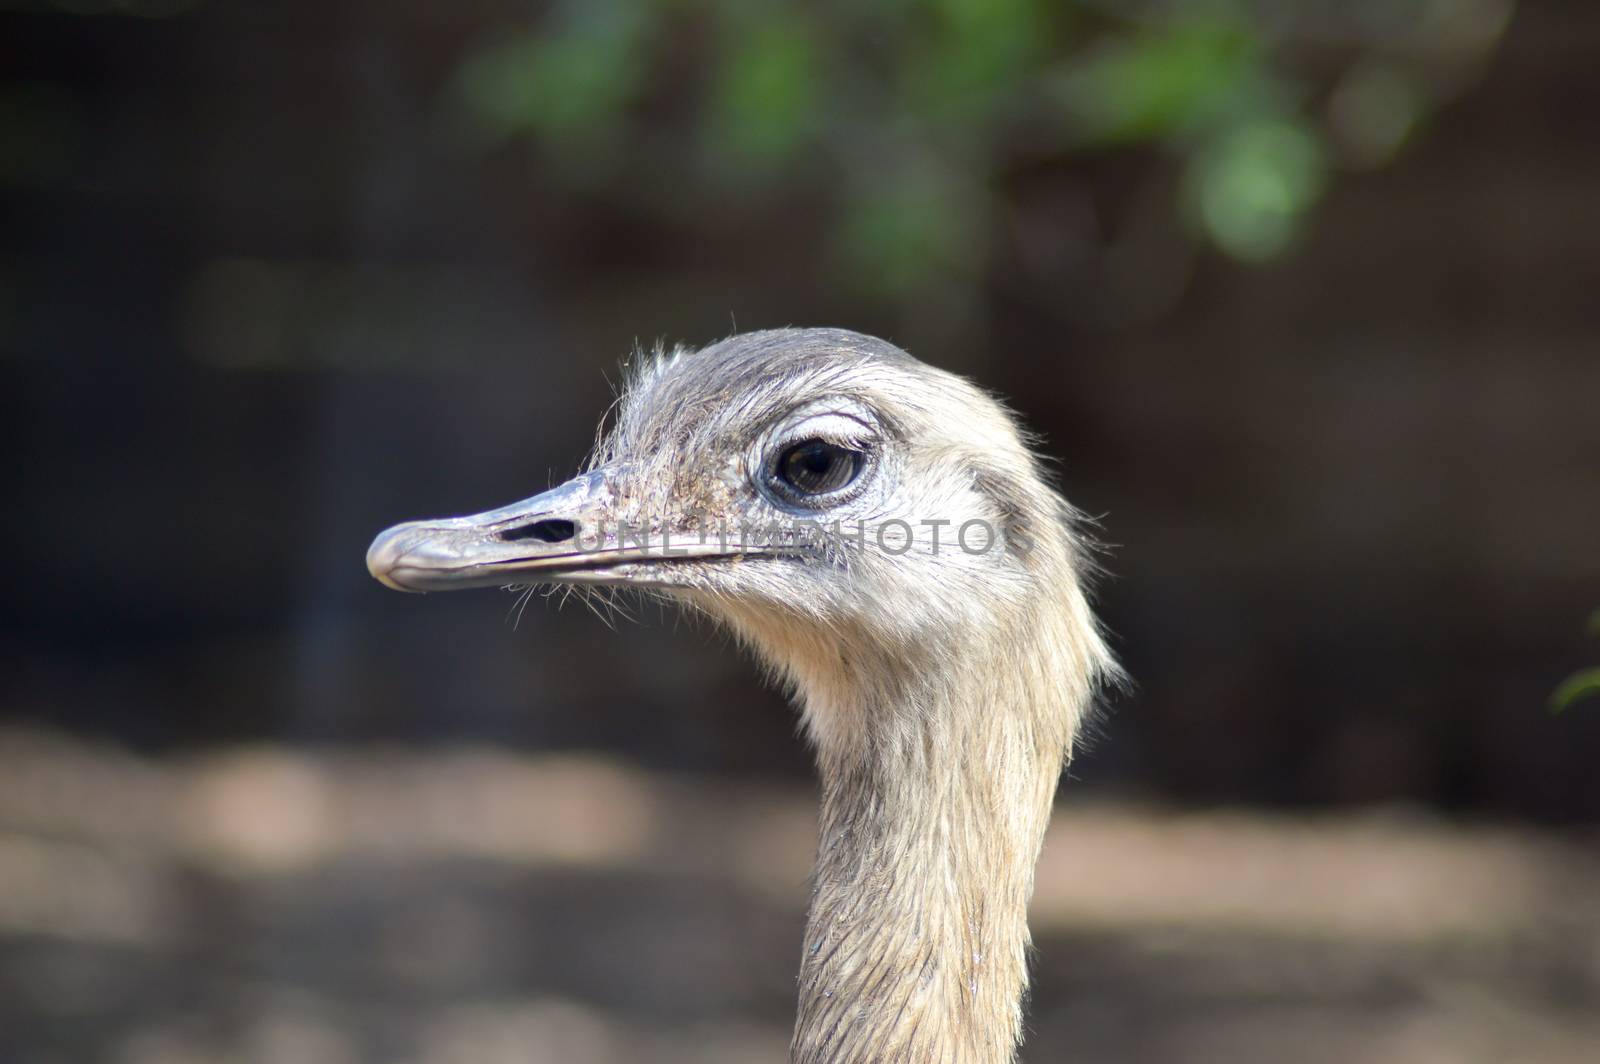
[938,766]
[935,797]
[916,941]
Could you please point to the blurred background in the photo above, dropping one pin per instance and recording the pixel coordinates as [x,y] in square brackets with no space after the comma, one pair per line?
[1301,294]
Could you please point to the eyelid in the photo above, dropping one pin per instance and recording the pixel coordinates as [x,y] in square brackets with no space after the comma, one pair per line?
[849,443]
[841,430]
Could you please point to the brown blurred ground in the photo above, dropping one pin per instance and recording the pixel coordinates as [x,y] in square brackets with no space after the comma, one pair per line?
[263,905]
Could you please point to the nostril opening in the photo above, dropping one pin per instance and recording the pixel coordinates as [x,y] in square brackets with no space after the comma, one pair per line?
[549,530]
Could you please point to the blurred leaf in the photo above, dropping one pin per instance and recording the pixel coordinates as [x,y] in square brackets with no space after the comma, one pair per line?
[569,85]
[1254,184]
[1373,110]
[905,229]
[1165,82]
[929,107]
[1593,627]
[1585,684]
[766,99]
[974,50]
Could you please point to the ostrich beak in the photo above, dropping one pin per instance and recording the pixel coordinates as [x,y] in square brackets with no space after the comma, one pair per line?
[567,535]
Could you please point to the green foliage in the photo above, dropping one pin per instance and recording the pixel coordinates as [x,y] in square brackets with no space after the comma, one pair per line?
[968,55]
[568,86]
[896,232]
[1582,684]
[769,93]
[1252,185]
[910,113]
[1585,684]
[1153,85]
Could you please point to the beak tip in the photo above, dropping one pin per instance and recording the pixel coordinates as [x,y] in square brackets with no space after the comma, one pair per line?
[384,556]
[386,581]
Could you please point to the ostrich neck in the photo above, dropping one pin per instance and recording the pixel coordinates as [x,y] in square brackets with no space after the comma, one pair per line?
[917,935]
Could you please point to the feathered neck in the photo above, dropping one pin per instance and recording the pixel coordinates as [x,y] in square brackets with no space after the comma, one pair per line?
[938,766]
[916,939]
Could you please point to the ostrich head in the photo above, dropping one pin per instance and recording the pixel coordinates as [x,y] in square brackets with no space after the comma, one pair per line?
[880,533]
[856,515]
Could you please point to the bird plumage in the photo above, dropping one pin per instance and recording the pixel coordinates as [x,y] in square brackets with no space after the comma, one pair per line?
[941,685]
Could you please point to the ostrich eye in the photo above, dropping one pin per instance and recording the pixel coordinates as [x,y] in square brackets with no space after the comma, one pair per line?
[817,467]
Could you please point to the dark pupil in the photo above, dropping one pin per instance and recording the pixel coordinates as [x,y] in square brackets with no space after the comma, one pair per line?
[817,467]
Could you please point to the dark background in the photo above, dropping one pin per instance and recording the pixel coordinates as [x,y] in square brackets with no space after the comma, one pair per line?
[1320,348]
